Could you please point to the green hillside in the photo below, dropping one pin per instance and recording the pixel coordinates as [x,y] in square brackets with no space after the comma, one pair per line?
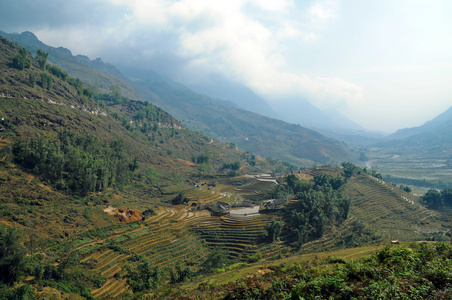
[110,198]
[95,73]
[252,132]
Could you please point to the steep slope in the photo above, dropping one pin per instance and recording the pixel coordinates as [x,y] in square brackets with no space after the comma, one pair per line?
[95,73]
[239,94]
[432,138]
[301,111]
[148,141]
[386,210]
[249,131]
[219,119]
[439,123]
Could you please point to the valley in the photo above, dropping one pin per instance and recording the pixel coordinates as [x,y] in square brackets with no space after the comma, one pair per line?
[106,195]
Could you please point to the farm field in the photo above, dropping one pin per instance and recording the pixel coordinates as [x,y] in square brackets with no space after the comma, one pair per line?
[175,236]
[418,171]
[181,235]
[393,212]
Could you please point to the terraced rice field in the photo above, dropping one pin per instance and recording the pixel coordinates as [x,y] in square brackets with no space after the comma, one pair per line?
[243,188]
[388,209]
[236,234]
[174,236]
[178,235]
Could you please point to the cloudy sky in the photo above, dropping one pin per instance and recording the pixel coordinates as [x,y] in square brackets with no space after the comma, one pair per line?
[384,64]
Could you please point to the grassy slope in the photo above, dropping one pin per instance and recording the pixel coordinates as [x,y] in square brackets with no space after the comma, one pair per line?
[76,66]
[388,210]
[26,116]
[251,132]
[391,272]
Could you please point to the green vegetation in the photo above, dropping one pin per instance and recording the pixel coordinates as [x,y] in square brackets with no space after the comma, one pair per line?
[12,256]
[77,162]
[415,271]
[41,57]
[144,277]
[397,272]
[249,131]
[319,204]
[22,61]
[435,199]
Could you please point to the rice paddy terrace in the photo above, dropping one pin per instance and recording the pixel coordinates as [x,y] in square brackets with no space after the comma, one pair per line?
[390,210]
[174,236]
[183,235]
[178,235]
[385,209]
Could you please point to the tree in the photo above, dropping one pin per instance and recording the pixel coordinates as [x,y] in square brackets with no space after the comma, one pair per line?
[41,57]
[349,169]
[115,93]
[49,83]
[405,188]
[446,196]
[432,199]
[44,80]
[180,274]
[273,230]
[144,276]
[32,78]
[216,259]
[21,60]
[12,256]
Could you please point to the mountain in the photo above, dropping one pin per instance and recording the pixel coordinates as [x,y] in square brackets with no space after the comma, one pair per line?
[301,111]
[249,131]
[439,123]
[242,96]
[432,138]
[218,118]
[106,197]
[96,73]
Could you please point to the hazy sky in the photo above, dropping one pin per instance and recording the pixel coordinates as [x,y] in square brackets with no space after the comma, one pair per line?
[385,64]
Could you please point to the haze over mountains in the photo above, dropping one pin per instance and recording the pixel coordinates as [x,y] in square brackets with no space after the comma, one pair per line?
[433,137]
[231,112]
[220,119]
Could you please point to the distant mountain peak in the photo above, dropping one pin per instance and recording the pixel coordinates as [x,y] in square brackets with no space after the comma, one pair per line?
[429,126]
[29,35]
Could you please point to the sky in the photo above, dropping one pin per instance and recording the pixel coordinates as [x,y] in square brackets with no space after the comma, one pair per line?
[384,64]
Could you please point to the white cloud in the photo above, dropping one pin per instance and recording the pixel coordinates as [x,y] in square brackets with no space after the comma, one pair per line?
[323,11]
[242,39]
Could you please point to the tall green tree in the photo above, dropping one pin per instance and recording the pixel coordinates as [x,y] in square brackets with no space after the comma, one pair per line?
[432,199]
[216,259]
[21,60]
[32,78]
[12,256]
[41,57]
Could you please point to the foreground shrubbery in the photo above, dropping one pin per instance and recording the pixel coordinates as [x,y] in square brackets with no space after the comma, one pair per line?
[418,271]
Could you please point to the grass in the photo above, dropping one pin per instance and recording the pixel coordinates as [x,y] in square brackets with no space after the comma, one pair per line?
[244,271]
